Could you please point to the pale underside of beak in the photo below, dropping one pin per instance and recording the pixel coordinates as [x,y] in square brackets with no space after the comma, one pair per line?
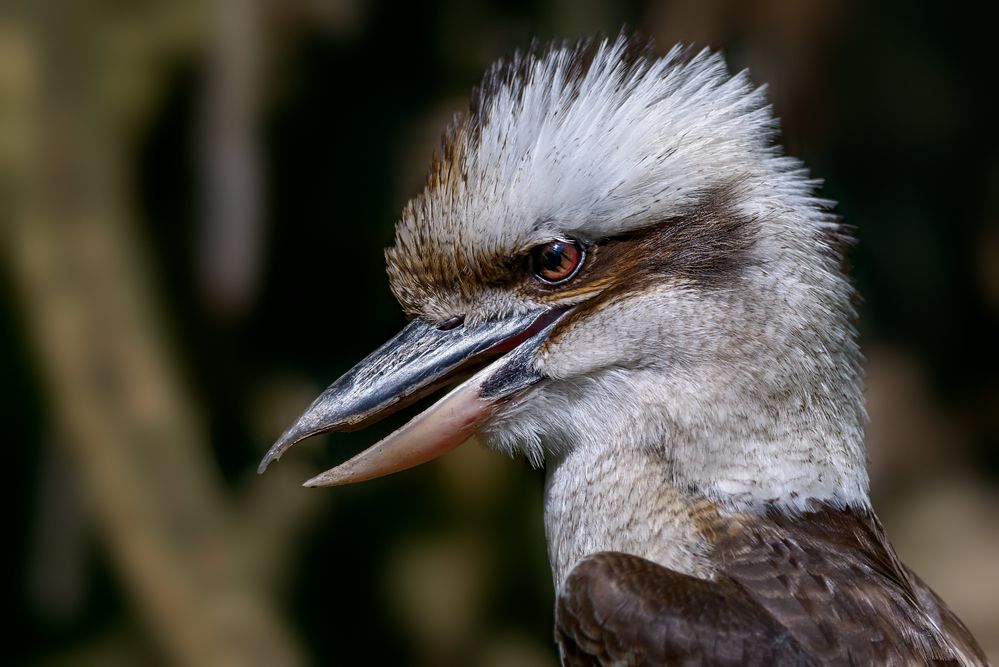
[420,359]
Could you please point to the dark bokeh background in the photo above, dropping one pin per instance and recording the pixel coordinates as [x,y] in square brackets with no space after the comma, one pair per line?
[194,198]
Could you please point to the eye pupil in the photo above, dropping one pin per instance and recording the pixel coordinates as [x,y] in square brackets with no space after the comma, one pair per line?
[554,257]
[556,261]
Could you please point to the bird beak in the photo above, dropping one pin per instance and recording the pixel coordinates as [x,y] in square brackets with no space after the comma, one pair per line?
[417,361]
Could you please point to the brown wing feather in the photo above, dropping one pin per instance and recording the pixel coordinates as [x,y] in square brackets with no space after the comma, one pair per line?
[950,625]
[616,609]
[831,578]
[820,587]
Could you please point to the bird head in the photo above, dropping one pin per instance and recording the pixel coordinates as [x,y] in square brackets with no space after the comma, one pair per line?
[609,252]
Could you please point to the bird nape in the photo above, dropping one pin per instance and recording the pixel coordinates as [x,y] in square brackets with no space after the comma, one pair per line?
[644,295]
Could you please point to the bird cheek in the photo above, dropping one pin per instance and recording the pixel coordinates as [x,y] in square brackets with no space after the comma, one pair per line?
[597,341]
[575,355]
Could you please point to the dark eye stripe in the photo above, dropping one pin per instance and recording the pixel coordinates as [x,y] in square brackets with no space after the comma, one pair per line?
[556,261]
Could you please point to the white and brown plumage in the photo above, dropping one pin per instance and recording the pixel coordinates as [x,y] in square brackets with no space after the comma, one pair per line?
[648,298]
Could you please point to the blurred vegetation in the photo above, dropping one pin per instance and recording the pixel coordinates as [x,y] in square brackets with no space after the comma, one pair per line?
[193,202]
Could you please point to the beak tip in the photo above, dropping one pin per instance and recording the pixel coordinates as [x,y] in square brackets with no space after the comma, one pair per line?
[290,437]
[272,455]
[323,479]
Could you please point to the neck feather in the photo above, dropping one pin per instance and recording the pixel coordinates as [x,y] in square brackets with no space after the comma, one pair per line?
[599,499]
[639,479]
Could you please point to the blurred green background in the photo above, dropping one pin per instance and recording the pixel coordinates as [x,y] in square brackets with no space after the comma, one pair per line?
[194,198]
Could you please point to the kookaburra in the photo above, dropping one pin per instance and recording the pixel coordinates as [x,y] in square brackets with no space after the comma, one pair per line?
[637,290]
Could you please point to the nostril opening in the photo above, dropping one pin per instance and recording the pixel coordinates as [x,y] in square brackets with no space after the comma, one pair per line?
[452,323]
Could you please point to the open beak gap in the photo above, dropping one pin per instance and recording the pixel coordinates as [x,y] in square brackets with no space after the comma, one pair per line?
[419,360]
[432,433]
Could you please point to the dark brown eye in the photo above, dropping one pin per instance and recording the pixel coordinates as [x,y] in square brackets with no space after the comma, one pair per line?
[556,261]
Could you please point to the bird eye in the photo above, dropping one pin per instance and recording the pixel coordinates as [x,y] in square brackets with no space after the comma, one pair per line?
[557,261]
